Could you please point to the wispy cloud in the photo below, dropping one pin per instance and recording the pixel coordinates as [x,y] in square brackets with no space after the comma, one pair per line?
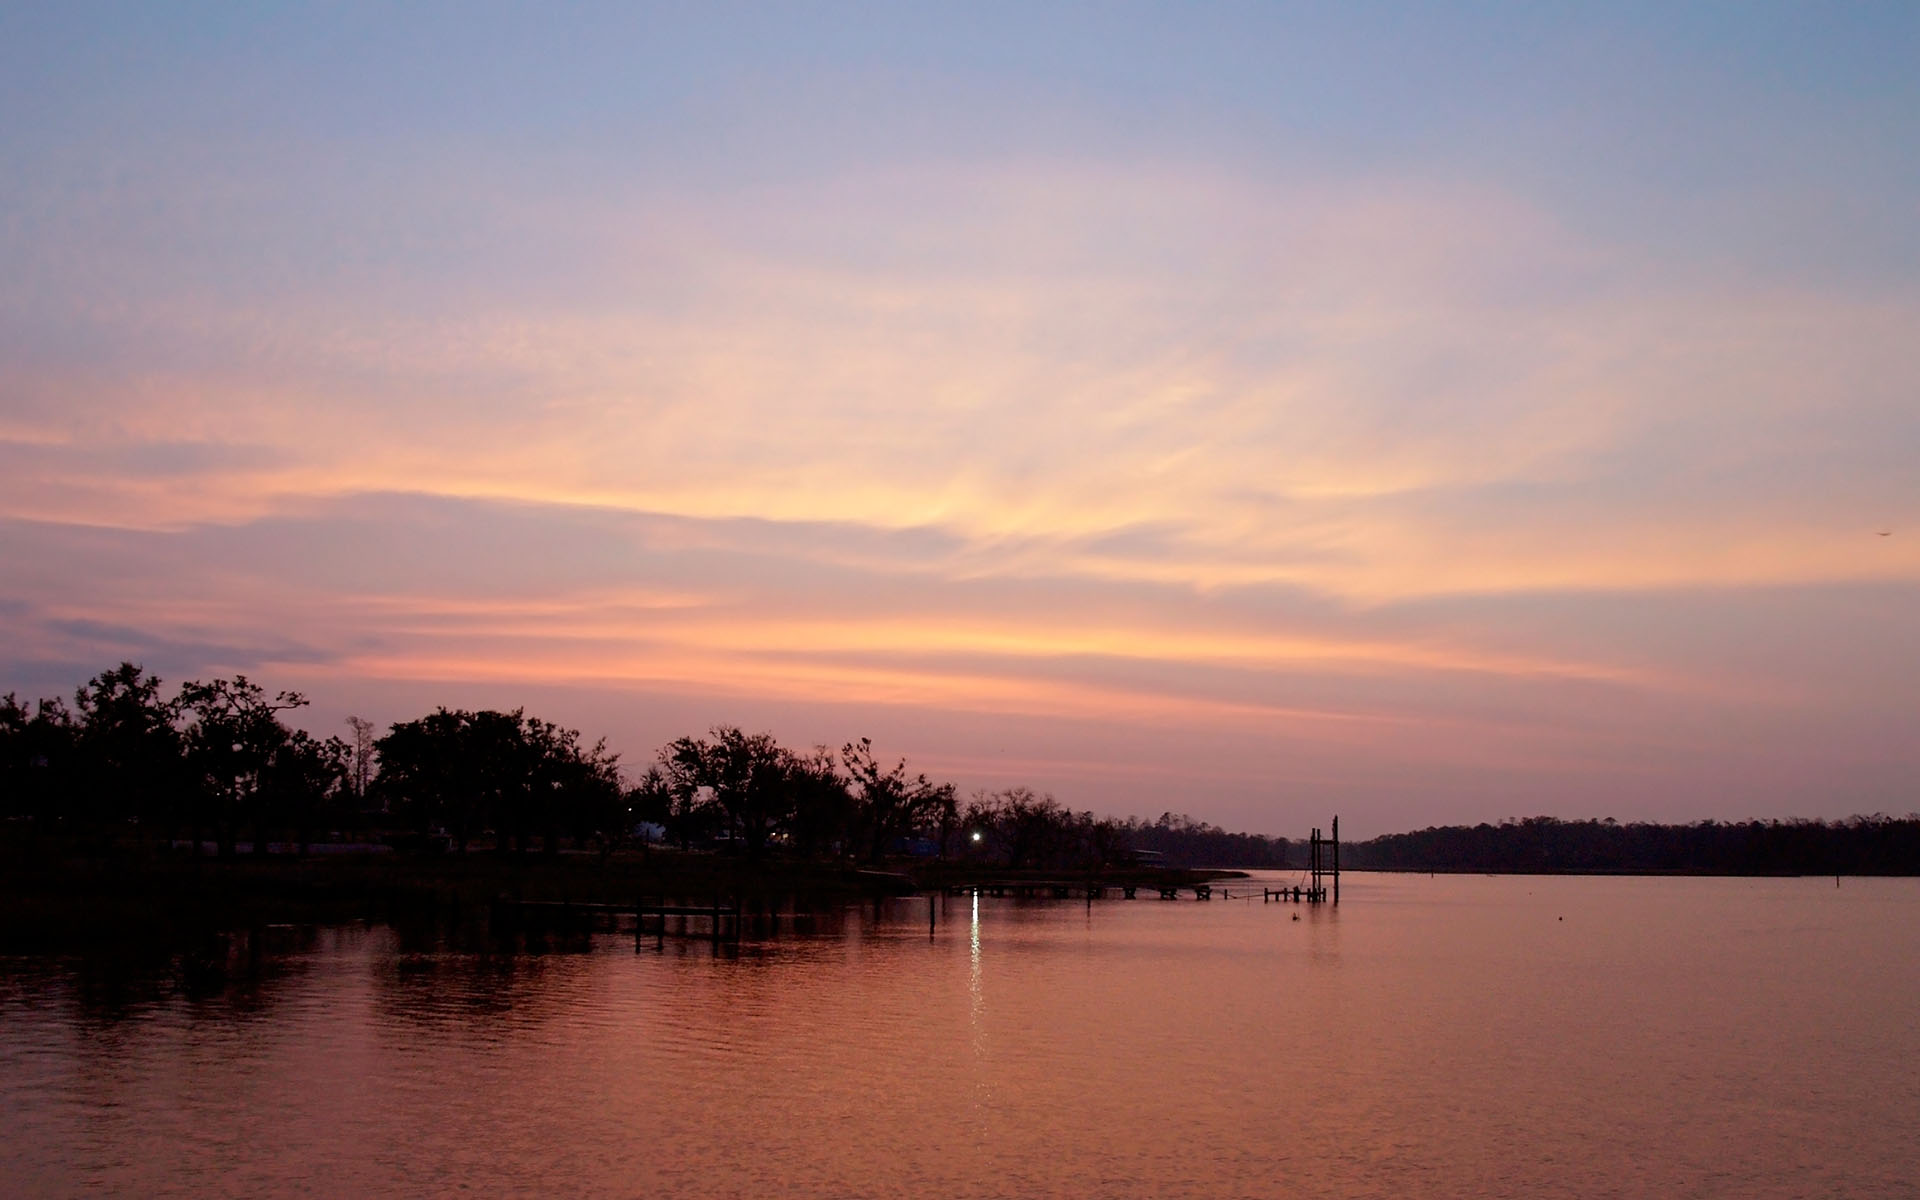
[1376,444]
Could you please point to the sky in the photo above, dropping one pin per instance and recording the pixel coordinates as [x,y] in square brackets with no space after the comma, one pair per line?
[1421,413]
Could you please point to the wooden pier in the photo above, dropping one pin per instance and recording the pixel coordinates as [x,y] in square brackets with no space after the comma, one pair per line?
[722,920]
[719,922]
[1056,889]
[1321,884]
[1069,889]
[1323,869]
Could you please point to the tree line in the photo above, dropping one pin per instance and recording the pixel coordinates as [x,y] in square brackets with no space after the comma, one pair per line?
[1185,842]
[1861,845]
[214,758]
[216,763]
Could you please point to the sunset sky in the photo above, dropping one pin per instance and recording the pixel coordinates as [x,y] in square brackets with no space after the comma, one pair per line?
[1423,413]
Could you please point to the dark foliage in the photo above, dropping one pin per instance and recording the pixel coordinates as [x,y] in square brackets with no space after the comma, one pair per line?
[1186,842]
[761,796]
[1876,845]
[126,761]
[214,758]
[887,804]
[1022,830]
[515,776]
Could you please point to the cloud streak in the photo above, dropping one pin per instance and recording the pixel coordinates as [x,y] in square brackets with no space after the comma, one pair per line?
[1179,448]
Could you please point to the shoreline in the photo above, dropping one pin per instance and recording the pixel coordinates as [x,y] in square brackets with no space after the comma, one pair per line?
[161,901]
[1633,872]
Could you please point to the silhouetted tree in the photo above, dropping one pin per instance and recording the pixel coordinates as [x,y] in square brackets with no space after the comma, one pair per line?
[1104,842]
[1183,841]
[745,777]
[127,749]
[1024,829]
[303,776]
[685,809]
[428,777]
[499,779]
[39,756]
[821,804]
[466,771]
[886,803]
[231,743]
[649,800]
[1021,827]
[360,763]
[574,788]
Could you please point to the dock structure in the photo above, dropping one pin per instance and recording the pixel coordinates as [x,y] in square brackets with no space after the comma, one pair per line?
[1027,889]
[1069,889]
[1323,872]
[722,921]
[1320,882]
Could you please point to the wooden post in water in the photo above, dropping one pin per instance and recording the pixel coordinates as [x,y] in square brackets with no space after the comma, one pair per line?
[1336,859]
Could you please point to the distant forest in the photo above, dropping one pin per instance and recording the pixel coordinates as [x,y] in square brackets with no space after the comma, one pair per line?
[1869,845]
[1185,842]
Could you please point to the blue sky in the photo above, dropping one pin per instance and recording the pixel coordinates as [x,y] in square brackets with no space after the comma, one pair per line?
[1434,413]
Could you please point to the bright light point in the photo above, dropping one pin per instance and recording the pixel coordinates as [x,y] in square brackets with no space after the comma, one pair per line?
[976,835]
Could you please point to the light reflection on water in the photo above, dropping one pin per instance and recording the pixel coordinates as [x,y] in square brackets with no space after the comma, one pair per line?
[1450,1036]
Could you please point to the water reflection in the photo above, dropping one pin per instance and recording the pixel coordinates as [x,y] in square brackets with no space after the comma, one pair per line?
[1447,1036]
[973,954]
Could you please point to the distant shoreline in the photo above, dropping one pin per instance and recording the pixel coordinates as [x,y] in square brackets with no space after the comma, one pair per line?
[1861,845]
[166,901]
[1632,872]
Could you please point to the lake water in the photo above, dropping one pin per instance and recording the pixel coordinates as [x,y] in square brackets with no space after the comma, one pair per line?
[1447,1036]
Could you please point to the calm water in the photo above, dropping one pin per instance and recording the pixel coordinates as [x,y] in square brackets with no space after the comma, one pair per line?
[1432,1037]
